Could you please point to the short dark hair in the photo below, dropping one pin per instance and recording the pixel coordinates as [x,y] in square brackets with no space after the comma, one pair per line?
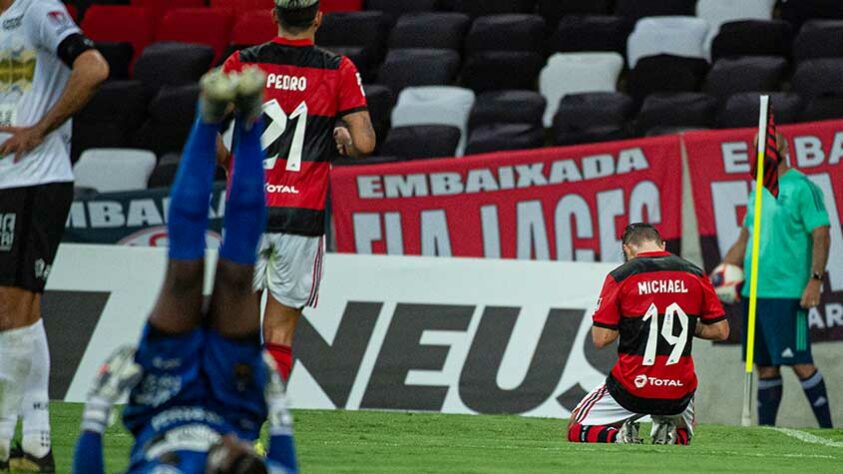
[296,20]
[638,233]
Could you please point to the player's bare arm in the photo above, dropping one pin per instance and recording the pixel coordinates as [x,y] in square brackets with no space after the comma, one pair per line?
[89,70]
[819,259]
[357,138]
[718,331]
[602,337]
[735,255]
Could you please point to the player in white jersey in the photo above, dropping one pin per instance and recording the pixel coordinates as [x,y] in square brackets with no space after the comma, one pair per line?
[48,72]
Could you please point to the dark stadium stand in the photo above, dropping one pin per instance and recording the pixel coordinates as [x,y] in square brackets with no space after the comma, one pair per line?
[421,141]
[496,48]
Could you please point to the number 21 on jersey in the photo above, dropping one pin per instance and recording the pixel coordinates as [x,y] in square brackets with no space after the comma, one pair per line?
[276,129]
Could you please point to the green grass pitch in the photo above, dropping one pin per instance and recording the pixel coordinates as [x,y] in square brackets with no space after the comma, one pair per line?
[386,442]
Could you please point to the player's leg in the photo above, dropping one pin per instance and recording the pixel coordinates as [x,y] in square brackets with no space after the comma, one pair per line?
[769,375]
[295,273]
[600,419]
[810,377]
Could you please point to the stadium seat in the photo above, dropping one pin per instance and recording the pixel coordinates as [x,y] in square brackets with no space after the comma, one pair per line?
[380,101]
[430,30]
[591,33]
[418,67]
[242,6]
[554,10]
[592,117]
[104,23]
[752,38]
[504,136]
[683,109]
[330,6]
[119,57]
[676,35]
[730,76]
[477,8]
[114,169]
[205,26]
[741,110]
[101,124]
[637,9]
[421,141]
[172,64]
[171,115]
[435,106]
[254,27]
[73,11]
[570,73]
[165,171]
[717,12]
[392,9]
[506,33]
[501,70]
[515,106]
[798,12]
[819,39]
[665,73]
[369,160]
[157,9]
[822,108]
[818,77]
[360,35]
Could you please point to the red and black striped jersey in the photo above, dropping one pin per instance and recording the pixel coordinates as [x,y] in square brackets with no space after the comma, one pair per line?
[655,301]
[307,89]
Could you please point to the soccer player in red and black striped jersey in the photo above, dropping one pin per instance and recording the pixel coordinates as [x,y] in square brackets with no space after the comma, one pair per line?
[655,303]
[314,101]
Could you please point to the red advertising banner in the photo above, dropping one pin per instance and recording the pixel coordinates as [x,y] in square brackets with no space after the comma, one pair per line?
[719,166]
[551,204]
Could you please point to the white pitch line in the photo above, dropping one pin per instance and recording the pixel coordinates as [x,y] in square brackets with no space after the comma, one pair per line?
[808,437]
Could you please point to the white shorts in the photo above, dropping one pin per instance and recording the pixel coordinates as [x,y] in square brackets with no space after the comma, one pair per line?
[599,408]
[290,267]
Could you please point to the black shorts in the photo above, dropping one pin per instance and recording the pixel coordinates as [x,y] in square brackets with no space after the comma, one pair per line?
[32,221]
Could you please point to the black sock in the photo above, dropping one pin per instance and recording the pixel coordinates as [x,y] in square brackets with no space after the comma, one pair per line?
[814,387]
[769,398]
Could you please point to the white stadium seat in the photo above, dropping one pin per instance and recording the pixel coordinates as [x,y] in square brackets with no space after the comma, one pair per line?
[572,73]
[676,35]
[114,169]
[435,105]
[717,12]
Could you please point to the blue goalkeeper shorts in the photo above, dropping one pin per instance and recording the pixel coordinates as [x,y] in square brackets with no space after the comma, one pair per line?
[781,332]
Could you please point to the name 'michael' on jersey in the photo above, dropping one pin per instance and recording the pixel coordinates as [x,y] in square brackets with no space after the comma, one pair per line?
[655,301]
[307,90]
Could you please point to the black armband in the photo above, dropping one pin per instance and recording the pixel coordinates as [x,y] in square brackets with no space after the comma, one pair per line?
[71,47]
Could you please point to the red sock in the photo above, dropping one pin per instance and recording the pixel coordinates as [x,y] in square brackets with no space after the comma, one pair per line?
[578,433]
[283,356]
[682,436]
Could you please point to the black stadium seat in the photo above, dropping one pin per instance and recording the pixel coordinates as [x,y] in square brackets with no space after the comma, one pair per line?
[102,124]
[823,108]
[753,38]
[591,33]
[506,33]
[477,8]
[119,57]
[395,8]
[500,70]
[418,67]
[665,73]
[430,30]
[683,109]
[359,35]
[798,12]
[504,136]
[510,106]
[637,9]
[741,110]
[554,10]
[819,39]
[165,171]
[172,64]
[817,77]
[730,76]
[592,117]
[421,141]
[171,115]
[380,102]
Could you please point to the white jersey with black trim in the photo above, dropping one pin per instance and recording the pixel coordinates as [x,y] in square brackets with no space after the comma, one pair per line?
[32,78]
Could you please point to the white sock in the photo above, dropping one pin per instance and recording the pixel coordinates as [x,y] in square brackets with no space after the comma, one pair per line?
[35,408]
[16,354]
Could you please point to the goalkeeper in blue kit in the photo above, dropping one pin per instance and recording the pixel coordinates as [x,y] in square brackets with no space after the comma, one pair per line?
[200,386]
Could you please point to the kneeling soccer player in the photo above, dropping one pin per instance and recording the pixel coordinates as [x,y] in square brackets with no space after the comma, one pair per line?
[656,302]
[200,384]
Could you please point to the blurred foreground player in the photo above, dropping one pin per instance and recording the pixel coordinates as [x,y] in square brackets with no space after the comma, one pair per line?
[200,385]
[308,90]
[656,302]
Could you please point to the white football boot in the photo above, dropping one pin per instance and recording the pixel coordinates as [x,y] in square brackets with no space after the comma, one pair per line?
[664,430]
[628,434]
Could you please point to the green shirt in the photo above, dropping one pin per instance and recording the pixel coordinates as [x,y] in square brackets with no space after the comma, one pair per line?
[786,241]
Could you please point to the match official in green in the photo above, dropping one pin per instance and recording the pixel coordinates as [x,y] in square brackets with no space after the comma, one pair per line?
[792,261]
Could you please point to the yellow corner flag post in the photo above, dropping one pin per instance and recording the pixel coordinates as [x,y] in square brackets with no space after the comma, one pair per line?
[746,413]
